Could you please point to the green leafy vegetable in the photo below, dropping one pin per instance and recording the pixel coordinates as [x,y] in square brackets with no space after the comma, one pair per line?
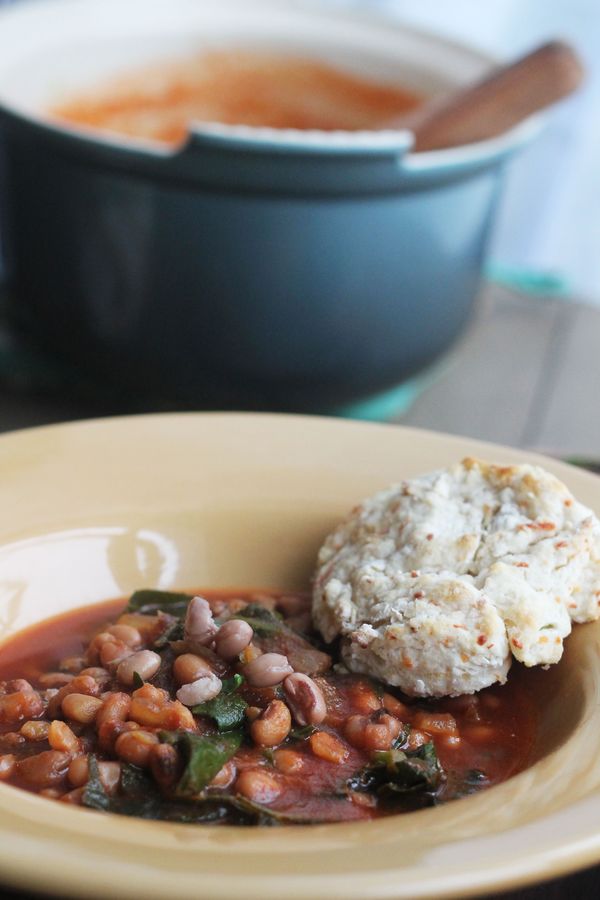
[138,681]
[164,677]
[173,632]
[94,794]
[263,621]
[228,712]
[232,684]
[228,708]
[300,733]
[204,756]
[398,772]
[140,796]
[149,601]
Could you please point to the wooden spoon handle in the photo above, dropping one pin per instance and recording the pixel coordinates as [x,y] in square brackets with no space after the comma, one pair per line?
[500,101]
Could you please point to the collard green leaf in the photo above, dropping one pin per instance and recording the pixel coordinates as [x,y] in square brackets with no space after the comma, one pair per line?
[173,632]
[232,684]
[149,601]
[94,794]
[228,708]
[204,756]
[164,677]
[134,780]
[397,772]
[301,732]
[263,621]
[140,796]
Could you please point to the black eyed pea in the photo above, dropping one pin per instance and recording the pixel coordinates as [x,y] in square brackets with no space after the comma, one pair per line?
[73,664]
[81,708]
[145,662]
[267,670]
[110,775]
[272,726]
[35,731]
[207,687]
[189,667]
[232,638]
[165,765]
[225,776]
[61,737]
[18,684]
[45,769]
[78,772]
[199,625]
[375,732]
[8,765]
[136,747]
[109,772]
[127,634]
[102,676]
[55,679]
[258,785]
[114,652]
[305,699]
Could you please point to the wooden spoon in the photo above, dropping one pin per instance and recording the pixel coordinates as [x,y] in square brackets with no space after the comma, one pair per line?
[498,102]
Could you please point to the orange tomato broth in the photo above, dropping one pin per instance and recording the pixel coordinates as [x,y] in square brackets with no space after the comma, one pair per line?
[239,88]
[496,727]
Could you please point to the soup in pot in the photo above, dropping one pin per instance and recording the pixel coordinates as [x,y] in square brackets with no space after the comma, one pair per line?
[236,88]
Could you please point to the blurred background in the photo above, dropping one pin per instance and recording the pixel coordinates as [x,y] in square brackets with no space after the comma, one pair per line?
[498,338]
[547,232]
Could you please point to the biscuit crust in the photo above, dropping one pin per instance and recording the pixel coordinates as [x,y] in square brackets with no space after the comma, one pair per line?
[504,553]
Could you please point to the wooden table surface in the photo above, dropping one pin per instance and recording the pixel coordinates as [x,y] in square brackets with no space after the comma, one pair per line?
[526,373]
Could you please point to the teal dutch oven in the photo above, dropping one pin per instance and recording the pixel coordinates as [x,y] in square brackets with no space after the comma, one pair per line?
[250,267]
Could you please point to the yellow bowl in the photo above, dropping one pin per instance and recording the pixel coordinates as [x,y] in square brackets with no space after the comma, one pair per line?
[93,510]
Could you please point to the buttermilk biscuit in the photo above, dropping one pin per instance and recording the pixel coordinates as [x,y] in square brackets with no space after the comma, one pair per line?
[436,632]
[500,548]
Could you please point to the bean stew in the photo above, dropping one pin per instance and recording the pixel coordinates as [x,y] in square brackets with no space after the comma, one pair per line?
[227,708]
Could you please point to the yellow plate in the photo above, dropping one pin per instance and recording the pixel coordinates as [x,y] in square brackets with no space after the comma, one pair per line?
[93,510]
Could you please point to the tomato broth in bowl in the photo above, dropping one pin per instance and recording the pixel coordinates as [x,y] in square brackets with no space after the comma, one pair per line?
[210,501]
[313,744]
